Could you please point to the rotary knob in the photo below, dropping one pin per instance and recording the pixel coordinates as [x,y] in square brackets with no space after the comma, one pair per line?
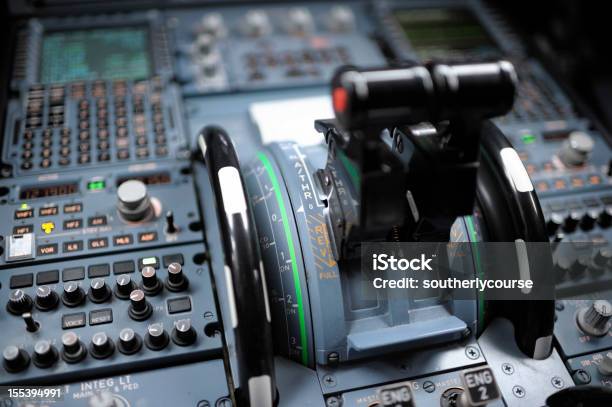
[594,320]
[578,268]
[205,44]
[587,222]
[562,267]
[183,333]
[15,359]
[553,223]
[129,341]
[571,221]
[101,346]
[605,217]
[140,309]
[99,291]
[176,280]
[156,338]
[45,354]
[257,23]
[124,286]
[19,302]
[133,200]
[300,20]
[73,294]
[213,24]
[73,350]
[46,298]
[341,19]
[605,365]
[150,282]
[602,257]
[576,149]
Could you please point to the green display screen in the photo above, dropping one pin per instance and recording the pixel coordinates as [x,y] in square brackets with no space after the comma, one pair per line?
[444,32]
[105,53]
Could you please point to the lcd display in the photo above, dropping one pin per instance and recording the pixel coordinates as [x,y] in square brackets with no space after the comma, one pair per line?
[45,191]
[444,32]
[104,53]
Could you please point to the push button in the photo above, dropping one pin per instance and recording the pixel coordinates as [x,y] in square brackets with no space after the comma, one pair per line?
[123,267]
[47,277]
[22,280]
[73,208]
[48,211]
[24,214]
[73,273]
[73,246]
[72,224]
[98,270]
[47,249]
[97,221]
[76,320]
[101,316]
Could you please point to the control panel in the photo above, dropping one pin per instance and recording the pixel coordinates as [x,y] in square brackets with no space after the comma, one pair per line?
[113,280]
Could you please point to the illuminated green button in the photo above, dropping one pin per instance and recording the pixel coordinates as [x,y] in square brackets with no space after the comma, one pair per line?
[528,138]
[96,185]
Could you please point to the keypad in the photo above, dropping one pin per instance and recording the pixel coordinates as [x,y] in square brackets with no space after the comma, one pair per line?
[109,121]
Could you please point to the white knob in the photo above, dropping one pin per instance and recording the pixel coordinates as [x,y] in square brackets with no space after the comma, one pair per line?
[576,149]
[214,25]
[300,20]
[257,23]
[341,19]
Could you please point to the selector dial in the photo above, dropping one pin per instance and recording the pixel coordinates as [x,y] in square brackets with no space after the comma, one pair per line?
[594,320]
[150,282]
[99,291]
[45,354]
[15,359]
[46,298]
[73,350]
[73,294]
[213,24]
[576,149]
[101,346]
[176,280]
[257,23]
[129,341]
[183,333]
[133,202]
[156,338]
[19,302]
[124,286]
[140,309]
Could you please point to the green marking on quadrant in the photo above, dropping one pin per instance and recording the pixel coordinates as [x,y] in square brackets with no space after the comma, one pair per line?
[296,276]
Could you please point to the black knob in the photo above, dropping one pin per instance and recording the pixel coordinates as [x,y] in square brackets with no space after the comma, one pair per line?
[133,200]
[176,280]
[73,350]
[129,341]
[46,298]
[156,338]
[170,226]
[124,286]
[578,268]
[31,325]
[571,221]
[587,222]
[73,294]
[140,309]
[602,257]
[150,282]
[605,217]
[553,223]
[183,333]
[15,359]
[98,291]
[45,354]
[19,302]
[101,346]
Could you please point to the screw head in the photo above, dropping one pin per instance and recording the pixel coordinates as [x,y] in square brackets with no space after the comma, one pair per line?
[507,368]
[518,391]
[332,402]
[329,380]
[472,352]
[557,382]
[429,386]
